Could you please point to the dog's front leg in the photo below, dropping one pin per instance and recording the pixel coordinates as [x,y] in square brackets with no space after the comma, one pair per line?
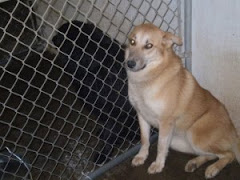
[145,133]
[164,138]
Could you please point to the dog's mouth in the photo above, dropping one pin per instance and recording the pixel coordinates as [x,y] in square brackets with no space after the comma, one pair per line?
[133,66]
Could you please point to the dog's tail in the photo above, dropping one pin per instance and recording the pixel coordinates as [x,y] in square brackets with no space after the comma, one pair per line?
[236,150]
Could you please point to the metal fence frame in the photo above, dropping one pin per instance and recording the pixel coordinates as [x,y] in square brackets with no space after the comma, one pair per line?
[38,44]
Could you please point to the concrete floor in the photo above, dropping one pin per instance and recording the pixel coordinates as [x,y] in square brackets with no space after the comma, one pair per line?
[173,170]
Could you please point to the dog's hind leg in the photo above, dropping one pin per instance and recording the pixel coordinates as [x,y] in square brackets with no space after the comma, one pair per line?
[195,163]
[215,168]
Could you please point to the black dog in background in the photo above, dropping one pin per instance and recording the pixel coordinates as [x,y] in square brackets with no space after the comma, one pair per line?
[96,62]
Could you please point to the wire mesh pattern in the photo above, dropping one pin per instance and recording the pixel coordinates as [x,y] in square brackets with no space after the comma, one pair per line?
[64,110]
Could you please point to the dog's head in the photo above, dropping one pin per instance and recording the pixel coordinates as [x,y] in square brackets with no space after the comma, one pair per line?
[147,47]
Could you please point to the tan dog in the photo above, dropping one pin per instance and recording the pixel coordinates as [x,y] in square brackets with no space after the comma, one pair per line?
[166,96]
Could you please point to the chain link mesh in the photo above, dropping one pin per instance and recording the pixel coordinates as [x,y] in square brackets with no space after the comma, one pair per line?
[64,110]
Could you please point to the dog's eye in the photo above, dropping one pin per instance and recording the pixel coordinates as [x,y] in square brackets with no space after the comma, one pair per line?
[148,46]
[132,42]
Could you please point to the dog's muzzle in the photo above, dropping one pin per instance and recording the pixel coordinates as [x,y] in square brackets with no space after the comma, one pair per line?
[134,66]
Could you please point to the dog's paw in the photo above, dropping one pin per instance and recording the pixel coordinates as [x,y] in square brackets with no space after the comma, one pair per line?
[191,166]
[211,171]
[155,168]
[138,160]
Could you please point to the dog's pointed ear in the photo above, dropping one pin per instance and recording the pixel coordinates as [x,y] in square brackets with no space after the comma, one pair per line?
[169,39]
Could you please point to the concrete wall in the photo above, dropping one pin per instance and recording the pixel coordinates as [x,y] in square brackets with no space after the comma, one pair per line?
[216,50]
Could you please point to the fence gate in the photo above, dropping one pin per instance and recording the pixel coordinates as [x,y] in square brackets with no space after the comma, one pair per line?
[64,111]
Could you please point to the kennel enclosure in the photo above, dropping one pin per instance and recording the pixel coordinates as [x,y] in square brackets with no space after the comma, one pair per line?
[47,130]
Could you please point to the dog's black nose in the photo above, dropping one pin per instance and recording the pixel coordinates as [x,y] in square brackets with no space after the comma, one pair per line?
[131,64]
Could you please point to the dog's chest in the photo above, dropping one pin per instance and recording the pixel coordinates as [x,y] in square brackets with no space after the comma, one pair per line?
[146,104]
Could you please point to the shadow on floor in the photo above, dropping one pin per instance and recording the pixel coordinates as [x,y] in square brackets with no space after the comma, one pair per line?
[173,170]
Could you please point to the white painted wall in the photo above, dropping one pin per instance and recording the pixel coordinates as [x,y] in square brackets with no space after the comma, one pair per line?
[216,50]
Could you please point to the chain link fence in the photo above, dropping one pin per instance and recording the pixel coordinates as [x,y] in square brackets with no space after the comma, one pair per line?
[64,111]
